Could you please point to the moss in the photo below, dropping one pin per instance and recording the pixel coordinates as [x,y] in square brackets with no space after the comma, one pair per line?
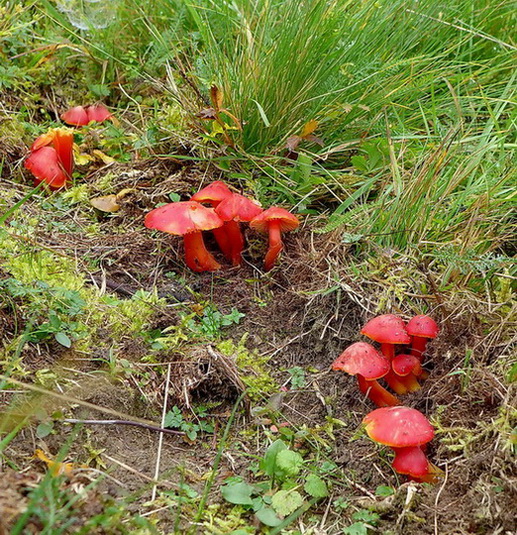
[255,374]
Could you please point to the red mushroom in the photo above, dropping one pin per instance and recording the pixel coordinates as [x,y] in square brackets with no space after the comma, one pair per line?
[388,330]
[274,220]
[407,367]
[421,329]
[368,364]
[405,430]
[233,210]
[52,164]
[188,219]
[80,116]
[213,194]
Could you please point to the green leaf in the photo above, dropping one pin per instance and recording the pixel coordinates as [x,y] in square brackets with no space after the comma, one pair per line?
[63,339]
[44,429]
[268,463]
[268,517]
[364,515]
[238,493]
[174,197]
[285,502]
[290,462]
[356,529]
[384,490]
[315,486]
[512,374]
[262,113]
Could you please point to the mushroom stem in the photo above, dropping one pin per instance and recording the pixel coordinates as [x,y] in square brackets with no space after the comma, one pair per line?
[221,237]
[375,392]
[63,143]
[388,350]
[236,240]
[418,344]
[275,245]
[410,382]
[196,255]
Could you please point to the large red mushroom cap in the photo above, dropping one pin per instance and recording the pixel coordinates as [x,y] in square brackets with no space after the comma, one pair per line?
[76,116]
[236,207]
[386,329]
[213,194]
[274,220]
[182,218]
[98,113]
[398,427]
[44,164]
[362,359]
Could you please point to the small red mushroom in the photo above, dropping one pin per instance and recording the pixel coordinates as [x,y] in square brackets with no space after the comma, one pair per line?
[388,330]
[407,367]
[188,219]
[80,116]
[52,158]
[421,329]
[368,364]
[406,431]
[274,220]
[213,194]
[233,210]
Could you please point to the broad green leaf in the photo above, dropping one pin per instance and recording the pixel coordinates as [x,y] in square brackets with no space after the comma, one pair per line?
[268,517]
[315,486]
[268,463]
[289,462]
[63,339]
[44,429]
[285,502]
[356,529]
[238,493]
[384,490]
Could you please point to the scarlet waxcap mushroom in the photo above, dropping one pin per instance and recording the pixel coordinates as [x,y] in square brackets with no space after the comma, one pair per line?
[368,364]
[188,219]
[362,359]
[421,329]
[212,194]
[386,329]
[60,154]
[408,368]
[398,427]
[76,116]
[232,210]
[274,220]
[98,113]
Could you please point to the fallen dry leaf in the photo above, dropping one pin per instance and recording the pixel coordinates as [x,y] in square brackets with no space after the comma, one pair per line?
[106,203]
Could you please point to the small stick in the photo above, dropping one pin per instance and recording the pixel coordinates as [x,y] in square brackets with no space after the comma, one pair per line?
[160,440]
[123,422]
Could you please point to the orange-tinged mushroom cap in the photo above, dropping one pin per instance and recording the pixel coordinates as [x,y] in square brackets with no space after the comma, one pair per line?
[422,326]
[98,113]
[362,359]
[411,461]
[236,207]
[214,193]
[398,427]
[405,364]
[181,218]
[386,329]
[76,116]
[45,165]
[287,220]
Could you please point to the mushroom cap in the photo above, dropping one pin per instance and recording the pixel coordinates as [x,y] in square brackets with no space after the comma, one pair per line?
[182,218]
[405,364]
[362,359]
[98,113]
[398,427]
[236,207]
[287,220]
[76,116]
[214,193]
[422,326]
[60,135]
[411,461]
[386,329]
[45,165]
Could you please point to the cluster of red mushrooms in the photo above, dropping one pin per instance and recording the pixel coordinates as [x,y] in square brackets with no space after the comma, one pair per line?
[51,158]
[405,430]
[223,216]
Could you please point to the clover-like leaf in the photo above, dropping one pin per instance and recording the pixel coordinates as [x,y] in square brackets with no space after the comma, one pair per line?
[290,462]
[315,486]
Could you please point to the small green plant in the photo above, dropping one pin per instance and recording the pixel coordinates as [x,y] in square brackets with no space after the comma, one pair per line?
[365,521]
[298,379]
[286,486]
[175,419]
[210,322]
